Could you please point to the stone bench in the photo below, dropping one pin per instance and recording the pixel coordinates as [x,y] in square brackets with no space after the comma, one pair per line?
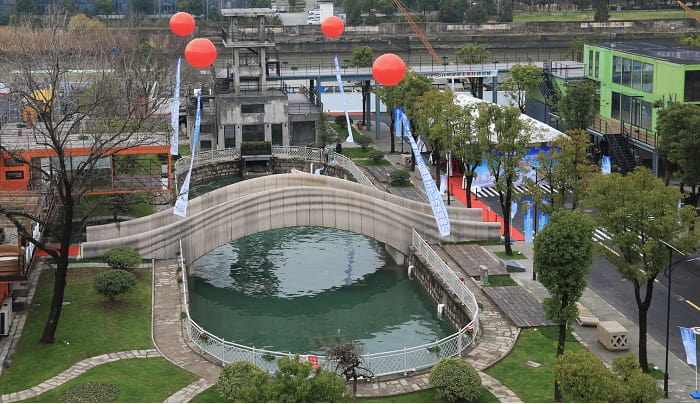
[612,335]
[585,317]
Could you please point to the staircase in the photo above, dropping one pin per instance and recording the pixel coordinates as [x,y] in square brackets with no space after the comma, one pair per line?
[621,152]
[546,86]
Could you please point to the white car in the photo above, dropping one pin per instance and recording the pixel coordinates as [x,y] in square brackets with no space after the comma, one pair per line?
[314,21]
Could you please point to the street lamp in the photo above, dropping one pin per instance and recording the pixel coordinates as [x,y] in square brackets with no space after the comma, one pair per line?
[668,271]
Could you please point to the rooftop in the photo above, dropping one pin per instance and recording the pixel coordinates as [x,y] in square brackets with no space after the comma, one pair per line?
[666,50]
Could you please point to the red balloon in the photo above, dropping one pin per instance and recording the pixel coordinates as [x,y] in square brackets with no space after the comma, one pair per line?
[182,24]
[200,53]
[332,26]
[388,69]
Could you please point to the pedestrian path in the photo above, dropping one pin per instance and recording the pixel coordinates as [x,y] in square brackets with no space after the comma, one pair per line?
[490,191]
[77,370]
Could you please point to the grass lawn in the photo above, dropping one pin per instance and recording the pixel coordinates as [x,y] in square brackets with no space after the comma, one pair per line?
[89,325]
[499,281]
[369,162]
[517,255]
[139,205]
[529,383]
[211,395]
[356,152]
[161,378]
[587,15]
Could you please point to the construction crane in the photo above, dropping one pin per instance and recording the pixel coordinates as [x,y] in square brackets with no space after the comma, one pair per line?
[688,10]
[404,10]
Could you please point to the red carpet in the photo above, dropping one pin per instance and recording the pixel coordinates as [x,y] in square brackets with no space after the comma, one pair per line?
[487,214]
[73,251]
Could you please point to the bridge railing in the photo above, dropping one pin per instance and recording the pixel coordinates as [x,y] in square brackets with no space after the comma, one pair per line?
[329,157]
[206,157]
[400,361]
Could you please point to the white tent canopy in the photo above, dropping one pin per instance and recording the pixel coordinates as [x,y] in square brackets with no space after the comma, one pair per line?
[542,133]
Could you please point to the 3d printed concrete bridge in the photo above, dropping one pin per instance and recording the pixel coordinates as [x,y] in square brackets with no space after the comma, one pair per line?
[285,200]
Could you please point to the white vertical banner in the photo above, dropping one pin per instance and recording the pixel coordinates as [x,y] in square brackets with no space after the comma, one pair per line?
[689,344]
[342,97]
[175,112]
[180,208]
[434,197]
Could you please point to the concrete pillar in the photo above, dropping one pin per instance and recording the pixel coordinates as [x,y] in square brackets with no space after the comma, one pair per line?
[261,29]
[236,70]
[263,72]
[494,94]
[397,255]
[655,163]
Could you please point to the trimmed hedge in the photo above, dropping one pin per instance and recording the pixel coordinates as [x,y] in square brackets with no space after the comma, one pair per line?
[456,380]
[114,282]
[124,258]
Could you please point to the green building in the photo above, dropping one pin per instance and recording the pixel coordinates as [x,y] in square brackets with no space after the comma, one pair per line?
[636,78]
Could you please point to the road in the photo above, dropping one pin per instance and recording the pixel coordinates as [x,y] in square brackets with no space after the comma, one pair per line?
[604,279]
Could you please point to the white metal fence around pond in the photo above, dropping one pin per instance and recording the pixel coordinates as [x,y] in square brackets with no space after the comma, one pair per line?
[283,152]
[400,361]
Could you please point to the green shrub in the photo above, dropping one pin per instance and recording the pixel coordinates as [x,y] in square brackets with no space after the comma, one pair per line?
[640,387]
[125,258]
[90,392]
[362,140]
[242,381]
[399,177]
[114,282]
[582,377]
[375,155]
[297,382]
[456,380]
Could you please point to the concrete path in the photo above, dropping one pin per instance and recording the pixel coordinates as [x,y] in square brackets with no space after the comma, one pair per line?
[77,370]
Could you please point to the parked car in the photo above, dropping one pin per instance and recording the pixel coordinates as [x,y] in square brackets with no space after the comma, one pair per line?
[283,9]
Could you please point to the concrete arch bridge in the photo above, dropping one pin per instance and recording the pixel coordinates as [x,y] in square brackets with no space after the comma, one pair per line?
[285,200]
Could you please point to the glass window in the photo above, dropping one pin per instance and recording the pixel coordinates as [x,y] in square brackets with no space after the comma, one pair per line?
[692,86]
[590,63]
[253,109]
[626,72]
[634,111]
[617,69]
[229,136]
[14,175]
[646,115]
[277,134]
[12,163]
[597,63]
[254,133]
[625,108]
[615,113]
[205,144]
[648,78]
[636,75]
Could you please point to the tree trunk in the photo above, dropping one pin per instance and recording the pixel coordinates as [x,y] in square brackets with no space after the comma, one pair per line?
[392,134]
[59,286]
[643,307]
[470,179]
[354,385]
[505,207]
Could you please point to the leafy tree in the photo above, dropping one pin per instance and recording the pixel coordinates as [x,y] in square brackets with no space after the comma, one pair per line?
[362,56]
[363,141]
[124,258]
[435,117]
[473,54]
[104,7]
[563,253]
[504,137]
[25,6]
[690,40]
[679,141]
[602,11]
[292,4]
[505,14]
[114,282]
[297,382]
[641,387]
[353,13]
[146,6]
[80,22]
[456,380]
[466,146]
[241,381]
[523,80]
[349,359]
[52,49]
[375,155]
[579,104]
[403,95]
[477,14]
[451,11]
[575,51]
[638,210]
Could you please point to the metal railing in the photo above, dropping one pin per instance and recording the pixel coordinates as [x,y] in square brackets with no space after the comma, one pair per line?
[329,157]
[206,157]
[394,362]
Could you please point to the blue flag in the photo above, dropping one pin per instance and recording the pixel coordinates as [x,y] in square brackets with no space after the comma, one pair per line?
[342,97]
[528,222]
[175,111]
[688,337]
[606,166]
[181,203]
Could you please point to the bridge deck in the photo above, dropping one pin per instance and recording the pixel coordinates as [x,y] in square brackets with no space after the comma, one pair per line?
[519,305]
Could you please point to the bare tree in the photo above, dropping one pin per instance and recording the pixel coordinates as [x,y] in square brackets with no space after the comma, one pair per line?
[90,93]
[349,357]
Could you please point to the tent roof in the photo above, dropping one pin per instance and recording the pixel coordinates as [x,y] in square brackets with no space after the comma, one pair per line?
[542,132]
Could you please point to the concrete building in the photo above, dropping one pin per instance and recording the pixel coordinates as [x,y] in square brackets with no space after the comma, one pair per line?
[636,79]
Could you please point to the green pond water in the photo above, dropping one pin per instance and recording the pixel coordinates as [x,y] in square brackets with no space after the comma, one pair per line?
[305,289]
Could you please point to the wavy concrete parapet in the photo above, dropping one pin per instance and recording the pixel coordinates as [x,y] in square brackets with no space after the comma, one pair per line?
[284,200]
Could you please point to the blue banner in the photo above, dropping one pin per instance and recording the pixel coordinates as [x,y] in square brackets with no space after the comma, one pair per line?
[689,343]
[606,165]
[528,228]
[434,197]
[397,121]
[175,112]
[342,97]
[180,208]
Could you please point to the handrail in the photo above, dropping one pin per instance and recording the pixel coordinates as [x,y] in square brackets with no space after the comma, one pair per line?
[394,362]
